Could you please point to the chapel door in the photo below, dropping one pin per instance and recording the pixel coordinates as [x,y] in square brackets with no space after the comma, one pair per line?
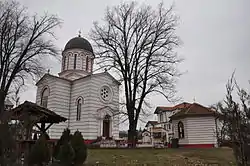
[106,126]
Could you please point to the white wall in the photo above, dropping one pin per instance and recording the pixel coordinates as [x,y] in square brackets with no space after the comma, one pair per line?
[184,140]
[197,130]
[201,130]
[62,100]
[93,109]
[58,101]
[146,138]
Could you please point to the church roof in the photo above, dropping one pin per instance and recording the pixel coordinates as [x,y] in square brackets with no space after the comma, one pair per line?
[99,74]
[91,75]
[50,75]
[79,42]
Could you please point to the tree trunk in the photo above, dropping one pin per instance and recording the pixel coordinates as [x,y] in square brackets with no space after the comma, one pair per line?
[132,135]
[2,99]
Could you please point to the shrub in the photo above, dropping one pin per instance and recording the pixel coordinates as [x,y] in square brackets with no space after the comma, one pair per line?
[66,154]
[65,138]
[79,147]
[40,153]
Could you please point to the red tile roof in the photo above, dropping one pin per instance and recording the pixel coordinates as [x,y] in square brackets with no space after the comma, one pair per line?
[166,109]
[194,109]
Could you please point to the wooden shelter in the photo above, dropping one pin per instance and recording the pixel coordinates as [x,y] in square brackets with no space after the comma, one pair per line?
[33,115]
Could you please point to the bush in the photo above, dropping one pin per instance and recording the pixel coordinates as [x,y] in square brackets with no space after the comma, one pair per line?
[71,149]
[65,138]
[79,147]
[66,154]
[40,153]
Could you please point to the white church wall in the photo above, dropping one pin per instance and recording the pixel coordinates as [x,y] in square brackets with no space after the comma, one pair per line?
[86,125]
[90,124]
[62,92]
[58,101]
[97,81]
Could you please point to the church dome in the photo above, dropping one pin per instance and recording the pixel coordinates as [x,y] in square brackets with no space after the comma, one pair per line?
[79,42]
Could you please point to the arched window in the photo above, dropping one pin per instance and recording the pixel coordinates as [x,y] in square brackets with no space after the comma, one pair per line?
[180,130]
[68,62]
[87,63]
[79,108]
[44,97]
[75,61]
[63,62]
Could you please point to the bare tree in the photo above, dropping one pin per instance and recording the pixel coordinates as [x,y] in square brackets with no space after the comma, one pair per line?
[137,43]
[237,122]
[24,42]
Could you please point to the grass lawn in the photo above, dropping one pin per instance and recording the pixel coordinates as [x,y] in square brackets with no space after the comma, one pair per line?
[160,157]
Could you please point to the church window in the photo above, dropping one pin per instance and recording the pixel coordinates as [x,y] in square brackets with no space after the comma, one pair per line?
[106,93]
[180,130]
[79,108]
[75,61]
[68,62]
[87,63]
[44,97]
[64,62]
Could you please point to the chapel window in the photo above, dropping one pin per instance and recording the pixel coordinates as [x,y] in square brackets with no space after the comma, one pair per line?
[106,94]
[180,130]
[79,109]
[64,62]
[44,97]
[75,61]
[87,63]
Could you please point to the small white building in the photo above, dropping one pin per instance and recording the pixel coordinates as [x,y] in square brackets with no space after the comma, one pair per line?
[89,101]
[193,124]
[146,137]
[153,133]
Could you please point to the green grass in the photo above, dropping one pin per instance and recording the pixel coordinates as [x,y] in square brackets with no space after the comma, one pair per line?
[160,157]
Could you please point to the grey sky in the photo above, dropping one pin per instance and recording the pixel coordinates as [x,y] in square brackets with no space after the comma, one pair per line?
[215,35]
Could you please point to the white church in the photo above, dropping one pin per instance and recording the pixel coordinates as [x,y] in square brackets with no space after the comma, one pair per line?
[89,101]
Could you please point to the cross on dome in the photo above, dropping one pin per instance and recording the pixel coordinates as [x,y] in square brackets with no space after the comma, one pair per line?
[79,33]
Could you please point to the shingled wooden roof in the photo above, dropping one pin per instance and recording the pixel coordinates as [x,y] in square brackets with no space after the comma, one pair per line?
[44,115]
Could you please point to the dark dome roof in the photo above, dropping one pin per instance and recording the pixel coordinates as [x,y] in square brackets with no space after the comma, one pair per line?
[79,42]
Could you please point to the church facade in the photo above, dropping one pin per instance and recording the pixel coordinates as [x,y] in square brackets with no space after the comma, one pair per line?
[89,101]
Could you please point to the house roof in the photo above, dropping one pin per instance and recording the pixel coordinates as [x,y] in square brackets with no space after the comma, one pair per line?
[169,109]
[42,114]
[152,123]
[194,109]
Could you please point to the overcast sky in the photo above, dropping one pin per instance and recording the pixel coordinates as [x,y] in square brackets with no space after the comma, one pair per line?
[215,35]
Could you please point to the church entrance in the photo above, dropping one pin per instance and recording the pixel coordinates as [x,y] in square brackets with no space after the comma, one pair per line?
[106,126]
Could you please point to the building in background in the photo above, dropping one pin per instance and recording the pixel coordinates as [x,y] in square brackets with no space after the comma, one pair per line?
[193,124]
[89,101]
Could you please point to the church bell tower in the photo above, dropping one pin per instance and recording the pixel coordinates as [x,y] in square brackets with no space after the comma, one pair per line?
[77,59]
